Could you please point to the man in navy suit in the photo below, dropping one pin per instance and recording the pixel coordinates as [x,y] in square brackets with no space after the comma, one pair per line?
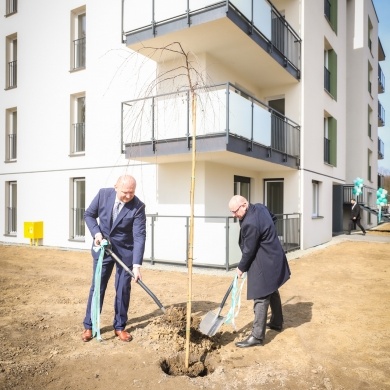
[126,232]
[265,262]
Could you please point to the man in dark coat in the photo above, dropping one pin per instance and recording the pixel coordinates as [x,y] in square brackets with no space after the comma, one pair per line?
[265,262]
[355,218]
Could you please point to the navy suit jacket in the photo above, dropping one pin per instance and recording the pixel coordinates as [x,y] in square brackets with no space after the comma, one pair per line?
[127,235]
[263,257]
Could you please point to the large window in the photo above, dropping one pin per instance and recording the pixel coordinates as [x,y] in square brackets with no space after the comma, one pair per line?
[242,186]
[79,20]
[77,138]
[11,134]
[330,71]
[330,140]
[11,61]
[77,208]
[11,208]
[330,12]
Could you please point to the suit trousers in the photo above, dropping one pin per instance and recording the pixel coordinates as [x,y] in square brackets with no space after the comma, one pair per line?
[260,308]
[122,293]
[352,225]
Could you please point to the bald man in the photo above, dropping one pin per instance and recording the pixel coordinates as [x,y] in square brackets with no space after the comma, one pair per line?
[265,262]
[118,215]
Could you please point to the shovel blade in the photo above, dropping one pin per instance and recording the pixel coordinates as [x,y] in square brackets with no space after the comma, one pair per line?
[211,323]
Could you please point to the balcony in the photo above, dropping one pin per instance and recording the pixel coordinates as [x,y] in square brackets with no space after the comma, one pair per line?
[381,80]
[381,149]
[381,115]
[256,31]
[78,138]
[232,128]
[12,75]
[11,148]
[11,7]
[79,53]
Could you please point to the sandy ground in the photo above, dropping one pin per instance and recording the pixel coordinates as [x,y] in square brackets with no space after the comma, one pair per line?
[336,334]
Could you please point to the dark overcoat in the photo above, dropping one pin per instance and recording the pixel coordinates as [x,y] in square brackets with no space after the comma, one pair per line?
[263,257]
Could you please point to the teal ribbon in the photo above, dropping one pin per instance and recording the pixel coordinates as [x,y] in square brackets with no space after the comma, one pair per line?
[235,301]
[95,304]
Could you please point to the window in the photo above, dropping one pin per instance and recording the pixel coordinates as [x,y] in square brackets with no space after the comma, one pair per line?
[316,199]
[77,137]
[79,38]
[330,69]
[370,32]
[369,115]
[11,59]
[330,140]
[11,207]
[369,78]
[11,133]
[369,167]
[330,12]
[11,7]
[77,208]
[242,186]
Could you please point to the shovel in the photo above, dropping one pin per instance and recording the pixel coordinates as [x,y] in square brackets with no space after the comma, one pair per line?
[213,321]
[139,281]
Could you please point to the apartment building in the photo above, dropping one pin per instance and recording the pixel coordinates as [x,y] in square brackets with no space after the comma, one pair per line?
[277,101]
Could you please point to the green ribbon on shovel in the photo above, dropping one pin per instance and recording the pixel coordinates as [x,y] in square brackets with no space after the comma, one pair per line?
[95,303]
[235,301]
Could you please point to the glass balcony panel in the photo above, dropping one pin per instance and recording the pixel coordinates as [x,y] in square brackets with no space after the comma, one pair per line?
[171,116]
[262,18]
[261,125]
[240,115]
[167,9]
[210,112]
[137,121]
[245,7]
[136,16]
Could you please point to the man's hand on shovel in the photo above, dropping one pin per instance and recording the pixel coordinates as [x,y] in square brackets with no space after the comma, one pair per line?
[137,273]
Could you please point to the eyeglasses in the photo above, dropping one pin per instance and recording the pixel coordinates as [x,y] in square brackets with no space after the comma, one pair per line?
[236,211]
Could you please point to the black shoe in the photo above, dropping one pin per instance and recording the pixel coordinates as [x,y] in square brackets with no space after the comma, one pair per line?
[348,234]
[364,233]
[251,341]
[274,327]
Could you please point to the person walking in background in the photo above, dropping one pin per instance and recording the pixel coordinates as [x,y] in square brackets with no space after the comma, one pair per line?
[265,262]
[118,215]
[355,218]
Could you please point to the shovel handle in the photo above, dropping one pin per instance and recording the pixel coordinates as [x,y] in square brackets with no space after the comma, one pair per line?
[139,281]
[225,298]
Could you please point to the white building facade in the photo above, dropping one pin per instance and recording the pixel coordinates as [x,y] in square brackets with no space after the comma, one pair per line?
[279,100]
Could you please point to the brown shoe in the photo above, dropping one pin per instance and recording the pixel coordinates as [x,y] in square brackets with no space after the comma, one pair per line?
[123,335]
[87,335]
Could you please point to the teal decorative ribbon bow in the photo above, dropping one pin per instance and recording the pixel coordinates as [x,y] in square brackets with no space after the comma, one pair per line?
[95,304]
[235,301]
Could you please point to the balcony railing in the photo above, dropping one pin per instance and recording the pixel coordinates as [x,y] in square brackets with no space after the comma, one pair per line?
[11,150]
[215,239]
[367,193]
[381,115]
[78,138]
[79,53]
[78,223]
[11,7]
[327,150]
[12,74]
[261,16]
[221,110]
[381,80]
[381,149]
[11,220]
[327,79]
